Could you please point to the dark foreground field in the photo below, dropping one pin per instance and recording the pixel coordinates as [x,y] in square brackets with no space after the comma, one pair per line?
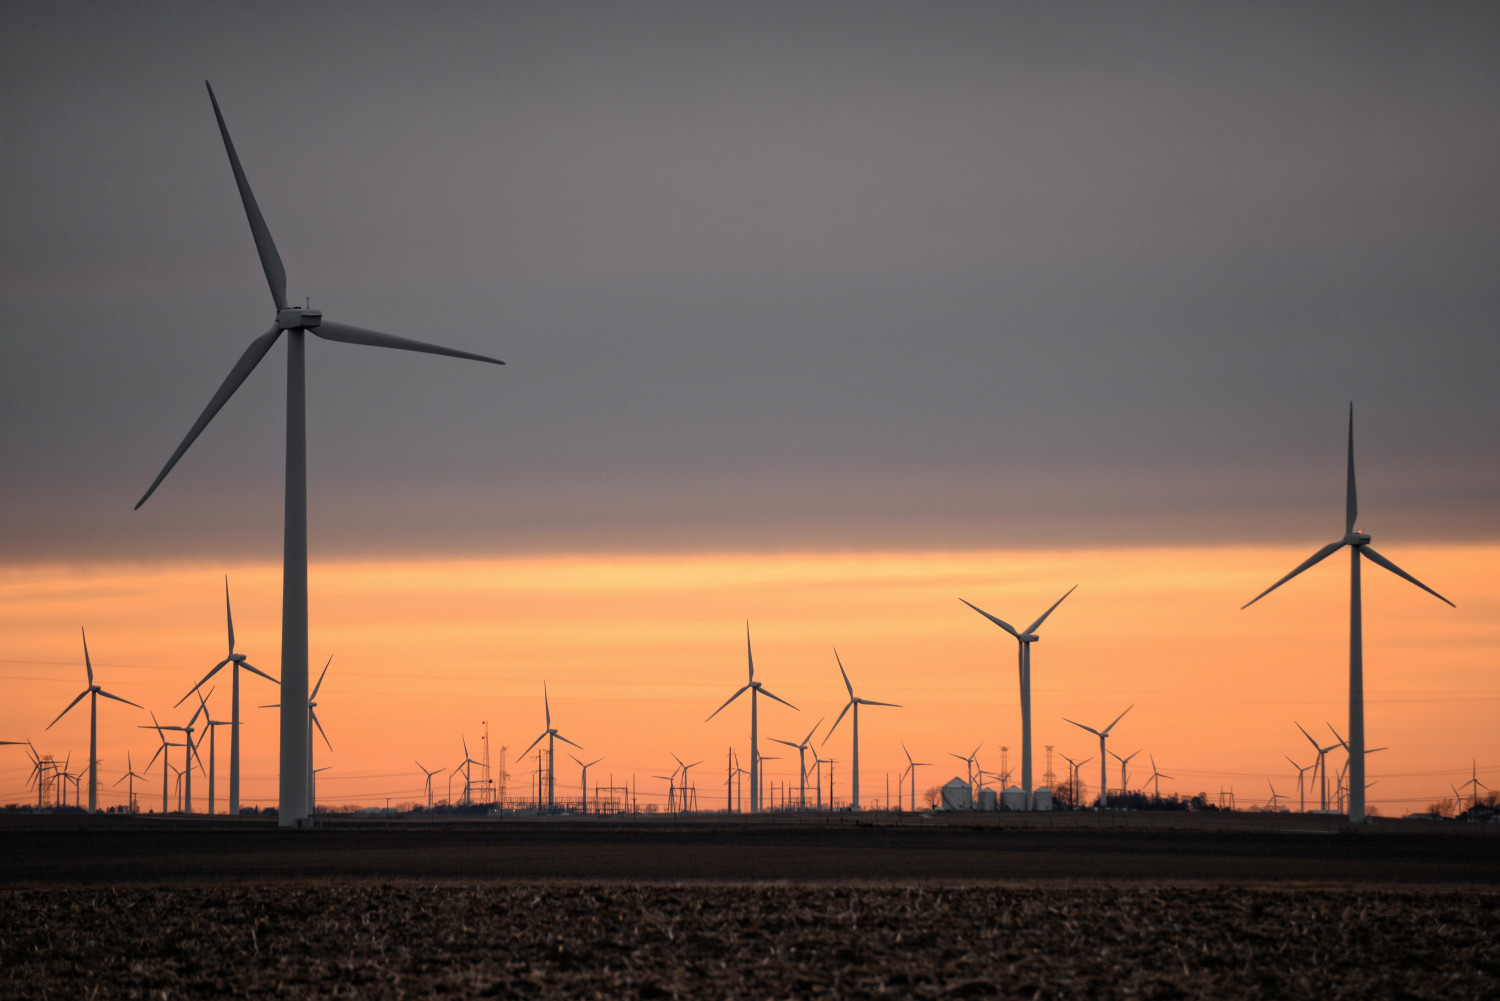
[698,940]
[182,909]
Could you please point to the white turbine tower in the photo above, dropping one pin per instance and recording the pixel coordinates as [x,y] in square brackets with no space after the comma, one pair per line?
[755,688]
[311,806]
[239,661]
[1359,544]
[93,691]
[853,703]
[552,736]
[209,725]
[1025,639]
[294,321]
[1103,753]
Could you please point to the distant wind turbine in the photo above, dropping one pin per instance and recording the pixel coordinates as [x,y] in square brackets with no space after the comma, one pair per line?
[93,691]
[209,725]
[1320,769]
[802,759]
[239,661]
[1124,771]
[911,766]
[1024,639]
[1156,776]
[295,321]
[686,788]
[1075,765]
[552,735]
[853,703]
[970,759]
[130,774]
[1103,753]
[1473,783]
[585,780]
[428,773]
[311,806]
[1359,544]
[755,688]
[1301,782]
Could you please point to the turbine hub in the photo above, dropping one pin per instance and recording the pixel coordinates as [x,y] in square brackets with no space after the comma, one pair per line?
[298,318]
[1028,637]
[1357,538]
[754,684]
[238,658]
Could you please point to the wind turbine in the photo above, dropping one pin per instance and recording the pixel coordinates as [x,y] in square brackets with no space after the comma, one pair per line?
[1359,544]
[970,760]
[551,735]
[671,781]
[295,321]
[93,691]
[1276,797]
[465,765]
[755,688]
[1301,786]
[1156,776]
[1124,764]
[1103,753]
[132,776]
[1321,768]
[585,780]
[685,787]
[911,766]
[1474,783]
[1075,765]
[853,703]
[801,757]
[429,773]
[239,661]
[311,805]
[1024,639]
[188,754]
[212,769]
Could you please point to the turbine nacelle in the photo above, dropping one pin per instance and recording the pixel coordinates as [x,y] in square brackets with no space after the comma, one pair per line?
[298,318]
[1028,637]
[237,658]
[1357,539]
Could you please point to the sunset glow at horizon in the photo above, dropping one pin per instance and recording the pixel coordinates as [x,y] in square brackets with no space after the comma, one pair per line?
[637,650]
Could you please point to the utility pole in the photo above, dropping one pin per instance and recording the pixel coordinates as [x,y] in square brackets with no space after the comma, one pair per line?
[486,741]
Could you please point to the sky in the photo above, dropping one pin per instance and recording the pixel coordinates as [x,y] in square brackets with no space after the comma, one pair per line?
[1007,297]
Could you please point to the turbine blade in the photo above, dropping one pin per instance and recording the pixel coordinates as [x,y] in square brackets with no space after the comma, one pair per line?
[200,684]
[314,716]
[868,702]
[70,706]
[529,746]
[547,705]
[347,334]
[999,622]
[88,665]
[1316,557]
[812,731]
[1309,737]
[778,740]
[237,375]
[749,654]
[250,667]
[107,695]
[1379,560]
[229,615]
[1117,719]
[1351,496]
[320,679]
[843,672]
[1038,623]
[778,698]
[270,260]
[1088,728]
[837,721]
[731,698]
[906,752]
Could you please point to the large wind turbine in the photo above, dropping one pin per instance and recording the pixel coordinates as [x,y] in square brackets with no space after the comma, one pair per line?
[239,661]
[552,735]
[1025,639]
[1359,544]
[295,321]
[755,688]
[911,766]
[853,703]
[429,775]
[1320,768]
[1103,753]
[1124,771]
[93,691]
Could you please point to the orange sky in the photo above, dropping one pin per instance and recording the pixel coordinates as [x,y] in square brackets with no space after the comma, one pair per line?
[638,650]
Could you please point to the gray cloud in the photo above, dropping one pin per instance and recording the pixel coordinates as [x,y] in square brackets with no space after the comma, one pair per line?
[855,275]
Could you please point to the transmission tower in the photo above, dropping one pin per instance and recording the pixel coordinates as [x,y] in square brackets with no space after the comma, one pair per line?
[1049,779]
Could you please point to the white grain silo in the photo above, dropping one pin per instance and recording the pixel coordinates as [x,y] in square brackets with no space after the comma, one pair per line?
[987,799]
[1013,798]
[1042,799]
[957,795]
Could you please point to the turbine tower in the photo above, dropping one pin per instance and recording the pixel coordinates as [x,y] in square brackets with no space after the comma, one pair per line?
[295,322]
[93,691]
[1103,753]
[1025,639]
[1359,545]
[239,661]
[755,688]
[853,703]
[552,735]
